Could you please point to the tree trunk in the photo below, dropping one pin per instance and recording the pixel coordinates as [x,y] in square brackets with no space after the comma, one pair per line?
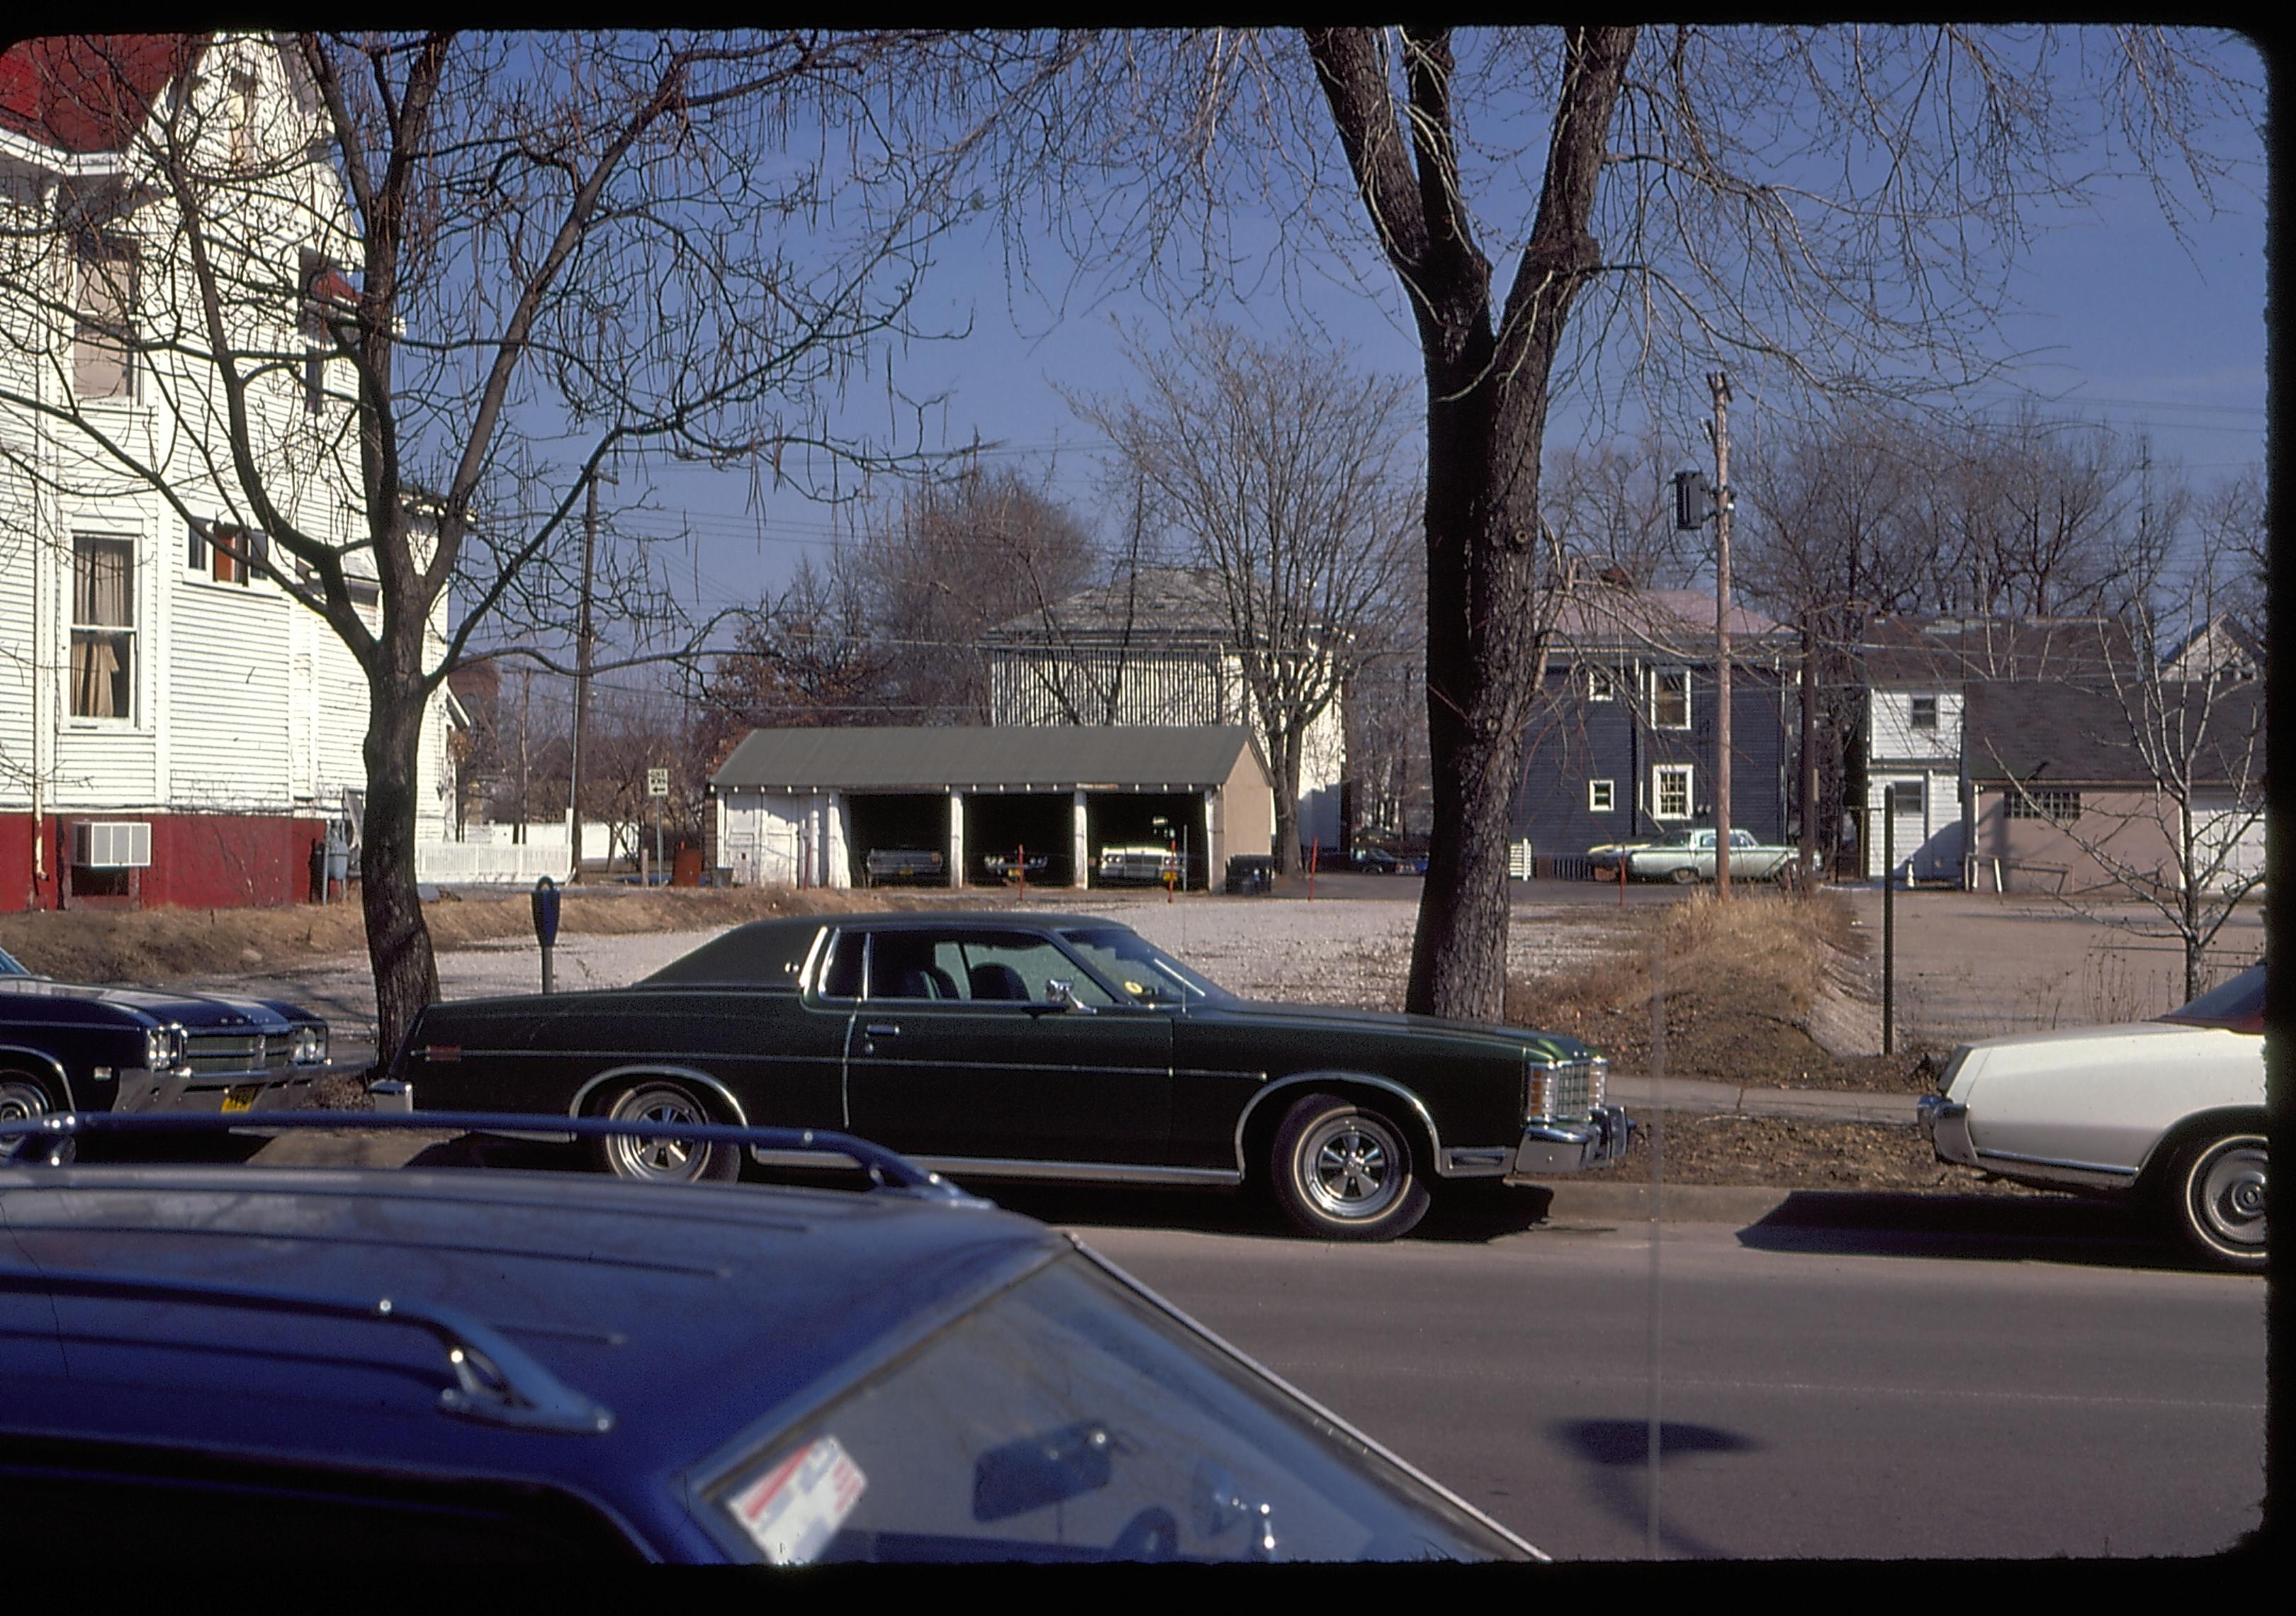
[397,941]
[1286,759]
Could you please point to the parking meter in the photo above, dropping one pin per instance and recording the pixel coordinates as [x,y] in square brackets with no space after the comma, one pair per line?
[545,923]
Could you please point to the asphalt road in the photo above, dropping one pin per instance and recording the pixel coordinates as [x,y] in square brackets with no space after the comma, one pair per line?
[2018,1379]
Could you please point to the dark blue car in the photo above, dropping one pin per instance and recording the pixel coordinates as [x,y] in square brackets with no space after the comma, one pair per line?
[450,1363]
[66,1046]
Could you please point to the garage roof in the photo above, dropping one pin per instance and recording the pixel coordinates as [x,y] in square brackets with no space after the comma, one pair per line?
[973,756]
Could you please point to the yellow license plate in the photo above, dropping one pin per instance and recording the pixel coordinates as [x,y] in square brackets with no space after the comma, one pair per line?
[242,1098]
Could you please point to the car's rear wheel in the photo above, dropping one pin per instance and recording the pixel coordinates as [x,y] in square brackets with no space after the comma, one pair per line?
[1342,1171]
[2219,1187]
[21,1098]
[1685,876]
[664,1158]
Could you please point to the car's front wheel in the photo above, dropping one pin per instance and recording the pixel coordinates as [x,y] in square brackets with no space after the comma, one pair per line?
[2219,1190]
[22,1099]
[1342,1171]
[664,1158]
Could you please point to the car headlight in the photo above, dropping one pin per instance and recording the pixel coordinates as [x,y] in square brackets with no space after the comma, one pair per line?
[310,1045]
[1538,1091]
[163,1048]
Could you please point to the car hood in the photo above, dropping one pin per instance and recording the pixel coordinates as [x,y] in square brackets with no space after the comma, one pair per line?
[2090,1051]
[193,1011]
[1342,1019]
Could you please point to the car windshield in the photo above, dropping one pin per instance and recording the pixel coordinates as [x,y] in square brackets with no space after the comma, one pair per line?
[2237,1005]
[1148,974]
[1069,1418]
[8,965]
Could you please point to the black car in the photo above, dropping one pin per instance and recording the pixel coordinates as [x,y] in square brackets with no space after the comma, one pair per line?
[64,1047]
[1042,1046]
[443,1363]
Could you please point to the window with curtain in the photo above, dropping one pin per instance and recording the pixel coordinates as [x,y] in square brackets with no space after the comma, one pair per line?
[1669,698]
[103,627]
[102,362]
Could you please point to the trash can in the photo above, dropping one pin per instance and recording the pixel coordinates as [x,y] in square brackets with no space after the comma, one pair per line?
[1251,874]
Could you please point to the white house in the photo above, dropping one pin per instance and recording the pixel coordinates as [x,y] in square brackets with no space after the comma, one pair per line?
[1917,674]
[1153,648]
[174,727]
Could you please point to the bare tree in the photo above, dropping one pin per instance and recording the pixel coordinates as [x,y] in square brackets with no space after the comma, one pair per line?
[514,257]
[1284,474]
[1831,207]
[807,656]
[1612,506]
[946,561]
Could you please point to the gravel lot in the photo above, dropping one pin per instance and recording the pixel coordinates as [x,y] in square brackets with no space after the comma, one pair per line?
[1336,950]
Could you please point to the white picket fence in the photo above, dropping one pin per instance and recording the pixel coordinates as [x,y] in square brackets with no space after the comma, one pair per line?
[478,863]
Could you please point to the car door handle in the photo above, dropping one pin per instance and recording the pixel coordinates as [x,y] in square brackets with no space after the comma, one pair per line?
[883,1030]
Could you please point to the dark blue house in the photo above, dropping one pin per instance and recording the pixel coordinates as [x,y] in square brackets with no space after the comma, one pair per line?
[1622,746]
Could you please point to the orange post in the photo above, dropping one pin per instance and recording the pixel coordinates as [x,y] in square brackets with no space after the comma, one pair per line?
[1314,858]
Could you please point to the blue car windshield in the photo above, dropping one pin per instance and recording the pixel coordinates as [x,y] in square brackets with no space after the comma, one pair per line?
[1146,973]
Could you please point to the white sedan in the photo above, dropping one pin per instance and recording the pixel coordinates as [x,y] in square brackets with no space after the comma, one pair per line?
[2171,1111]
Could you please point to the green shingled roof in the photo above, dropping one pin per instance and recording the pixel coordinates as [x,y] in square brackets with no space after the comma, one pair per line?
[974,757]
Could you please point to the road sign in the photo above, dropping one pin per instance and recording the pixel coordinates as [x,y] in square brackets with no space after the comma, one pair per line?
[657,782]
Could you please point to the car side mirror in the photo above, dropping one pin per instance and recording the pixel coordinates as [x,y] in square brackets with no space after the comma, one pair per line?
[1063,993]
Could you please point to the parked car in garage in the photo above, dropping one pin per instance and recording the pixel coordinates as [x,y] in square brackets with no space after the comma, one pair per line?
[884,867]
[1136,864]
[436,1364]
[1688,857]
[1016,862]
[2170,1113]
[1058,1047]
[69,1047]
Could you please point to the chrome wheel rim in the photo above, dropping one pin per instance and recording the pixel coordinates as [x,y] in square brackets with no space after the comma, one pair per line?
[1352,1167]
[21,1102]
[660,1156]
[2228,1193]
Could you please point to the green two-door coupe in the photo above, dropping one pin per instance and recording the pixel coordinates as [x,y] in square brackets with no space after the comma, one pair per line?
[1062,1048]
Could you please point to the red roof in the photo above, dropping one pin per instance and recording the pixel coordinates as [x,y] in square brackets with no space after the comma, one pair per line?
[83,93]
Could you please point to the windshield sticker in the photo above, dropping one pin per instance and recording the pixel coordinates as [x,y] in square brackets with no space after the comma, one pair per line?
[794,1509]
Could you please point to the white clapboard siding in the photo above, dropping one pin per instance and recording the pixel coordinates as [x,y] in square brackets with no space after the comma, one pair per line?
[230,697]
[1894,737]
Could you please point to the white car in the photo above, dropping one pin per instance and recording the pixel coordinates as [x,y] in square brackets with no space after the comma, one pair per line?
[2171,1111]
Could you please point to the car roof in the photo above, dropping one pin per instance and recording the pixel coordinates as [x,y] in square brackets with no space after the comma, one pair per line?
[691,1312]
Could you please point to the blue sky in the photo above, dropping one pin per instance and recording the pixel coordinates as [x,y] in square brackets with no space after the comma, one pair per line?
[2119,322]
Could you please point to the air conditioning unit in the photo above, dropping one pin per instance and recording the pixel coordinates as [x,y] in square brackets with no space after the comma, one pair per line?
[118,845]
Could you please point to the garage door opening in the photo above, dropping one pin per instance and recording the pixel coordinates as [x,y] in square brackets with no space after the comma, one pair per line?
[899,839]
[1001,828]
[1131,833]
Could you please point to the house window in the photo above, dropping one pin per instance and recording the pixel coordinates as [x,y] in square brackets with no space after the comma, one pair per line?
[103,627]
[1602,683]
[1602,796]
[102,362]
[195,548]
[1669,698]
[237,553]
[2055,803]
[1924,712]
[1670,791]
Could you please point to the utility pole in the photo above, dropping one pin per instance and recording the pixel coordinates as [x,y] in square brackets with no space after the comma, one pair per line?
[582,677]
[1720,383]
[1808,851]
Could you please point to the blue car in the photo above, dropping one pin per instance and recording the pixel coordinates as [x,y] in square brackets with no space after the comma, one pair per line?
[452,1363]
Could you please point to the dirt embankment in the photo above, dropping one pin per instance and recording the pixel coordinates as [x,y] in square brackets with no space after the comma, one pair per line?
[1769,989]
[168,945]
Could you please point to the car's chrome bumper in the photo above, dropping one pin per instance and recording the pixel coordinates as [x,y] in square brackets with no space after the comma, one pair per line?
[1571,1147]
[1945,1124]
[247,1091]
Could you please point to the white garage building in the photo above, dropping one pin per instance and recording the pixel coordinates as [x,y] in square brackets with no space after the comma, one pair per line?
[1070,803]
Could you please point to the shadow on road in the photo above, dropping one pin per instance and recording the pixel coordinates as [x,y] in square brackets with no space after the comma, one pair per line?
[1990,1228]
[1621,1449]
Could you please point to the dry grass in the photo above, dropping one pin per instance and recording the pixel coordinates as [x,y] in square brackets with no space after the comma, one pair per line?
[163,945]
[1744,983]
